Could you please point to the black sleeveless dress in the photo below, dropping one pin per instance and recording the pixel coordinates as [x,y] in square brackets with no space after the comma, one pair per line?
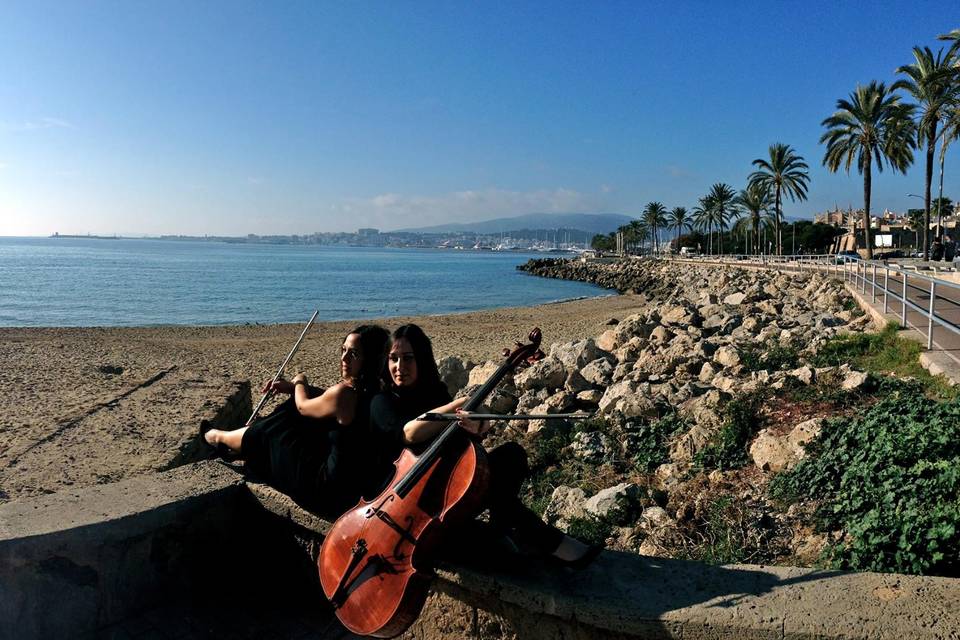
[314,461]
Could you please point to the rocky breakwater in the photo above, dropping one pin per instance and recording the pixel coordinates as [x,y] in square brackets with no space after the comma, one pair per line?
[623,275]
[675,461]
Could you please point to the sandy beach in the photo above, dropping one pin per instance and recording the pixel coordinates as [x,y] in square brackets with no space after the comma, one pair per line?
[95,405]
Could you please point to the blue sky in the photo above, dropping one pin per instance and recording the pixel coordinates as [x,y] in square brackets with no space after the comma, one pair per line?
[294,117]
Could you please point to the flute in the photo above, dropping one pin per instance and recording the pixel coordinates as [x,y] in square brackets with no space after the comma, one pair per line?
[269,391]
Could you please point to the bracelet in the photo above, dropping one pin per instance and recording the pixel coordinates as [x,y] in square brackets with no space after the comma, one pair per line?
[303,382]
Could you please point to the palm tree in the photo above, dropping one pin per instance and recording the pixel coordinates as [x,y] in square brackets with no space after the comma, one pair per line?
[635,232]
[784,173]
[872,125]
[655,217]
[724,209]
[702,220]
[755,201]
[930,80]
[679,220]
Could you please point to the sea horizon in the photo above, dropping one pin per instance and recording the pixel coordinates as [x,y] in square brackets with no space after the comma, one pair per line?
[147,282]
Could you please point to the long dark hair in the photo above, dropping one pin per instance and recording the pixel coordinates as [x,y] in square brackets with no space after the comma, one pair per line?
[428,376]
[373,342]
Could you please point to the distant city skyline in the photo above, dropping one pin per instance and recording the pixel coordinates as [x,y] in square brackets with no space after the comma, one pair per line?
[229,118]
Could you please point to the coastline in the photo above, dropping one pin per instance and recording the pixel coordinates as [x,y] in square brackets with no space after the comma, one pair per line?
[98,404]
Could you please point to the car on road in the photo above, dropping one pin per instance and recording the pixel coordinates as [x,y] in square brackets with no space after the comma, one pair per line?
[844,255]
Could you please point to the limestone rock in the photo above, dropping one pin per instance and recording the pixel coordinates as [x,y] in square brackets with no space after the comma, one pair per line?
[707,372]
[566,503]
[661,334]
[615,504]
[454,373]
[727,356]
[575,355]
[598,372]
[854,380]
[607,340]
[575,383]
[681,315]
[623,399]
[804,374]
[592,446]
[590,396]
[735,298]
[481,373]
[548,373]
[769,452]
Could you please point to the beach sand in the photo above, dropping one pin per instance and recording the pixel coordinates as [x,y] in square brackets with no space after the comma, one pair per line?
[93,405]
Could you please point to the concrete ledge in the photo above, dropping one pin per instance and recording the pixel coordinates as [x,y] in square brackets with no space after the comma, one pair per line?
[624,595]
[939,363]
[77,561]
[73,561]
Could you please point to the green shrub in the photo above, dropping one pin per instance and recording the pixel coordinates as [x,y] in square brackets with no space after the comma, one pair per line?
[728,448]
[591,530]
[889,479]
[648,442]
[884,353]
[768,356]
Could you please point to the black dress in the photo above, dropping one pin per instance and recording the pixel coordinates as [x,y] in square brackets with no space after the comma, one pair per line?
[507,463]
[311,460]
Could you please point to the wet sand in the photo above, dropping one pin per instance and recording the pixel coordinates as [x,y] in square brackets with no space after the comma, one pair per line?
[92,405]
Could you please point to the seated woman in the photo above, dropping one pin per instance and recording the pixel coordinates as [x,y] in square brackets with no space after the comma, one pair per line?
[309,446]
[414,387]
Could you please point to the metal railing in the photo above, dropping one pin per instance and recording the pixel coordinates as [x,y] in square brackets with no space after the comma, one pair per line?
[937,301]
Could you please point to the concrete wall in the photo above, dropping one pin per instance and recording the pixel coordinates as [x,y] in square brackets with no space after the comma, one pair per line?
[485,594]
[79,560]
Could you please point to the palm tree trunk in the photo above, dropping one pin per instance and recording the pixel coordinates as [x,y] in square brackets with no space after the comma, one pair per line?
[867,179]
[779,225]
[931,148]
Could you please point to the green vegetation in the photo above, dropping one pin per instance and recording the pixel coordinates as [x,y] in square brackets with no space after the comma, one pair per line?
[648,443]
[769,356]
[890,480]
[882,353]
[590,530]
[741,422]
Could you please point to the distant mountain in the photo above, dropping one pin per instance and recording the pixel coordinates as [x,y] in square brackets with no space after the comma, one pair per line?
[589,222]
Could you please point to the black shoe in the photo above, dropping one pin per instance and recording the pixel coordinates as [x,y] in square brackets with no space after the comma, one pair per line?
[582,562]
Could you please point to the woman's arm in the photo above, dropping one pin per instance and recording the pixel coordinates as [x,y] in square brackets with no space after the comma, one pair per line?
[421,430]
[339,401]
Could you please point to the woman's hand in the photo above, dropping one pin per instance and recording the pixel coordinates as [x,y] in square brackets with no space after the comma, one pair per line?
[280,386]
[476,427]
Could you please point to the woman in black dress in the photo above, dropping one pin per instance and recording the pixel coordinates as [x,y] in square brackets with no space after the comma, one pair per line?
[309,446]
[414,387]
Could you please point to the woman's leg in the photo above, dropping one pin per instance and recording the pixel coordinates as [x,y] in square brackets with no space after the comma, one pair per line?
[508,470]
[231,439]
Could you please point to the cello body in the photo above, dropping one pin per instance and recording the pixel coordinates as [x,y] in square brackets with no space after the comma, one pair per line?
[385,590]
[376,563]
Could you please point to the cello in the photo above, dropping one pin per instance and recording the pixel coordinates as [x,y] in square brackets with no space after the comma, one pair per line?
[375,565]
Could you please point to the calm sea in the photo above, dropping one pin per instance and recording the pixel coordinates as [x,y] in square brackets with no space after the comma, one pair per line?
[68,282]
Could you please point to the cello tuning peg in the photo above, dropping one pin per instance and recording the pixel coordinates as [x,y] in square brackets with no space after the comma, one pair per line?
[505,352]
